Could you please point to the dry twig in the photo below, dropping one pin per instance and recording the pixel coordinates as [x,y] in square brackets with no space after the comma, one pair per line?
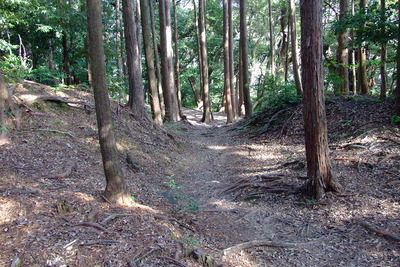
[383,233]
[258,243]
[64,174]
[56,131]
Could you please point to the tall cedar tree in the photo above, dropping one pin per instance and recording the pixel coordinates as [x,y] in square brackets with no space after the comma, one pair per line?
[244,48]
[342,50]
[136,95]
[149,54]
[295,53]
[116,190]
[6,108]
[156,58]
[397,92]
[362,60]
[319,169]
[227,68]
[207,115]
[383,68]
[177,63]
[167,66]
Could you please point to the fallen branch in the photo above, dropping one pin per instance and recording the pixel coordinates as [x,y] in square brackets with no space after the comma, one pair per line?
[56,131]
[99,242]
[388,157]
[137,259]
[28,99]
[94,225]
[383,233]
[112,217]
[172,260]
[64,174]
[258,243]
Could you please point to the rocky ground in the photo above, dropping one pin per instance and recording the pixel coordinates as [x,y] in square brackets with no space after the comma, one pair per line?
[207,195]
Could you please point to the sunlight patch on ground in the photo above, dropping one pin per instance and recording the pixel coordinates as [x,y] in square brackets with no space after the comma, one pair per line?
[9,210]
[217,147]
[385,208]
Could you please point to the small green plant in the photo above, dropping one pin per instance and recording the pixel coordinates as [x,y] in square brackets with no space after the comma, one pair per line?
[190,240]
[394,119]
[180,201]
[171,183]
[3,128]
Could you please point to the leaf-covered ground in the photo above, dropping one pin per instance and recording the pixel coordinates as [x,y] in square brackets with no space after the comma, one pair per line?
[201,189]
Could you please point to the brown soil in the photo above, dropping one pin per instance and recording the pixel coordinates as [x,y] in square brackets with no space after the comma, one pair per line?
[201,189]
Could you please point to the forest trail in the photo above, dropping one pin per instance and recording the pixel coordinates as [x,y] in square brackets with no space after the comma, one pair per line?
[200,188]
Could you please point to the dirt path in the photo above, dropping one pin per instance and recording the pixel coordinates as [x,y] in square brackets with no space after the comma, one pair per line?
[325,234]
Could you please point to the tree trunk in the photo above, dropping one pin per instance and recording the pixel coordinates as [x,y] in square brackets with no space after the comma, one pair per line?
[66,59]
[245,59]
[118,25]
[177,63]
[353,73]
[342,51]
[316,139]
[207,116]
[295,53]
[271,40]
[157,59]
[196,20]
[362,60]
[149,54]
[231,59]
[170,98]
[227,67]
[397,90]
[240,84]
[196,94]
[6,109]
[116,190]
[383,57]
[136,95]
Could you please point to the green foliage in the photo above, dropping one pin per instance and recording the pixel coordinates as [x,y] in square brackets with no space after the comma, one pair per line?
[274,94]
[44,75]
[182,202]
[394,119]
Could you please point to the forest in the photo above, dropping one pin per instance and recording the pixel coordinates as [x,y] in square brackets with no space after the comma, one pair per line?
[199,133]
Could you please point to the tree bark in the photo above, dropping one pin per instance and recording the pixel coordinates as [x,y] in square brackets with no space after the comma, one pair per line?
[342,51]
[227,67]
[116,190]
[207,116]
[6,104]
[319,169]
[245,59]
[383,57]
[362,61]
[149,54]
[118,37]
[66,59]
[397,90]
[167,68]
[231,61]
[294,46]
[271,39]
[136,94]
[196,22]
[157,59]
[177,63]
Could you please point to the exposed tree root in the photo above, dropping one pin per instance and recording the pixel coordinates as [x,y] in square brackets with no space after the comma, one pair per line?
[112,217]
[94,225]
[258,243]
[259,186]
[62,175]
[383,233]
[29,99]
[56,131]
